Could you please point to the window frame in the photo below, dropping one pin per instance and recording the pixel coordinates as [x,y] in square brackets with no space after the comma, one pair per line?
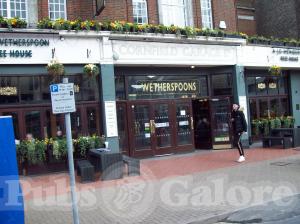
[187,10]
[146,16]
[209,10]
[65,10]
[9,12]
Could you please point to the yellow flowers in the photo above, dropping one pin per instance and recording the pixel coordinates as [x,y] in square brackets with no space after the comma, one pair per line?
[275,70]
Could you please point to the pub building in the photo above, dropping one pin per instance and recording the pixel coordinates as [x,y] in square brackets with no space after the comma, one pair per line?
[155,95]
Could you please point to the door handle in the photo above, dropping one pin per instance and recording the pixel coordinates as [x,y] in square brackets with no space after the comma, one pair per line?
[192,123]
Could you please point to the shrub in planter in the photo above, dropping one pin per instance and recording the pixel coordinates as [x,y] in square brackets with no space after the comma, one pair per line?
[45,23]
[59,147]
[91,70]
[276,42]
[55,70]
[275,70]
[256,124]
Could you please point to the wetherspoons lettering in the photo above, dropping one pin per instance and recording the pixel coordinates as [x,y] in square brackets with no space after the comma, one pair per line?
[151,87]
[20,53]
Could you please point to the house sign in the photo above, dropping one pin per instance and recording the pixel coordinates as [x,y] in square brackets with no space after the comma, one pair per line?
[288,55]
[19,47]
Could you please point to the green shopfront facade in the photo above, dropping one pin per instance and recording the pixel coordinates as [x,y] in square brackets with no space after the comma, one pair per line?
[161,109]
[155,95]
[24,84]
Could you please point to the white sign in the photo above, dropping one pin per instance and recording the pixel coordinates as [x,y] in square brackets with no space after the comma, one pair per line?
[62,98]
[111,119]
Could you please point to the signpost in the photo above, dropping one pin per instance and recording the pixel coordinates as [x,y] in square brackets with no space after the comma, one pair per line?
[63,102]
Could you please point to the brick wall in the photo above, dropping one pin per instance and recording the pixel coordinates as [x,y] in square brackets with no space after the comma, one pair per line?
[277,18]
[122,10]
[225,10]
[116,10]
[42,9]
[83,9]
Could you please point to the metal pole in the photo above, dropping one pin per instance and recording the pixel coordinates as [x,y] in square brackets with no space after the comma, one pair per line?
[71,164]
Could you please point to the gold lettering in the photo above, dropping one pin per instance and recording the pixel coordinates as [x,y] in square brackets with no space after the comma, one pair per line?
[164,86]
[172,87]
[185,86]
[168,87]
[145,87]
[151,87]
[195,86]
[180,85]
[176,86]
[160,87]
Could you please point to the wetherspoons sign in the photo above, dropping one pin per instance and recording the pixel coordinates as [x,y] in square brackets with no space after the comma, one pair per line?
[169,86]
[22,52]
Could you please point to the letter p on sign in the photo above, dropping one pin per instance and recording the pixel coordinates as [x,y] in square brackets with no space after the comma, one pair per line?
[54,88]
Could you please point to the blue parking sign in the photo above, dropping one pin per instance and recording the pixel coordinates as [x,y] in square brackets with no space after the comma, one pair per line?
[54,88]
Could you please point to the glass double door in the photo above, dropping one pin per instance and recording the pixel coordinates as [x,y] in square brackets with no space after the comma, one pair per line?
[160,127]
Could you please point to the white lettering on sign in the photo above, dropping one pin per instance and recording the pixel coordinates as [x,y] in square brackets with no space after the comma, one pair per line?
[111,119]
[62,98]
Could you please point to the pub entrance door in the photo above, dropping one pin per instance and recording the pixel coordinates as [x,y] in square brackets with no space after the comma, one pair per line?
[221,124]
[160,127]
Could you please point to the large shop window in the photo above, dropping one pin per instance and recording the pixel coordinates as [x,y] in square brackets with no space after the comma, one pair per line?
[206,14]
[166,87]
[35,89]
[13,8]
[267,85]
[27,100]
[222,85]
[176,12]
[268,96]
[140,14]
[57,9]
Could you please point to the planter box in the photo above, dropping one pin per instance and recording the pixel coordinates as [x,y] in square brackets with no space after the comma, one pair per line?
[36,169]
[276,43]
[261,42]
[291,44]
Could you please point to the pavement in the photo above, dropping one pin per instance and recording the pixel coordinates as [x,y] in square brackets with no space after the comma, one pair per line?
[199,187]
[268,213]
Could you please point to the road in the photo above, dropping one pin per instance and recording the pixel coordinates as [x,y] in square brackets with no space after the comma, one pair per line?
[286,211]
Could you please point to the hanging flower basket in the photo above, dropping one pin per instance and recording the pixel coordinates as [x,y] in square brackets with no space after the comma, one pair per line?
[55,68]
[91,70]
[275,70]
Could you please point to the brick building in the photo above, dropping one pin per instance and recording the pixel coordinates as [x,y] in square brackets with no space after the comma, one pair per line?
[198,13]
[280,19]
[246,19]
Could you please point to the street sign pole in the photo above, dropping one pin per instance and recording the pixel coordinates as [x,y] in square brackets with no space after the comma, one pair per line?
[71,164]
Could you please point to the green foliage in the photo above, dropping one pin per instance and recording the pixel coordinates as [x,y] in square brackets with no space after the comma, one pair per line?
[55,68]
[59,147]
[266,124]
[10,23]
[91,70]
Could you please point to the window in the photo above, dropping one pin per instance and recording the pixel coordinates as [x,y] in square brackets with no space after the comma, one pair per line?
[176,12]
[57,9]
[140,14]
[206,14]
[13,8]
[221,84]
